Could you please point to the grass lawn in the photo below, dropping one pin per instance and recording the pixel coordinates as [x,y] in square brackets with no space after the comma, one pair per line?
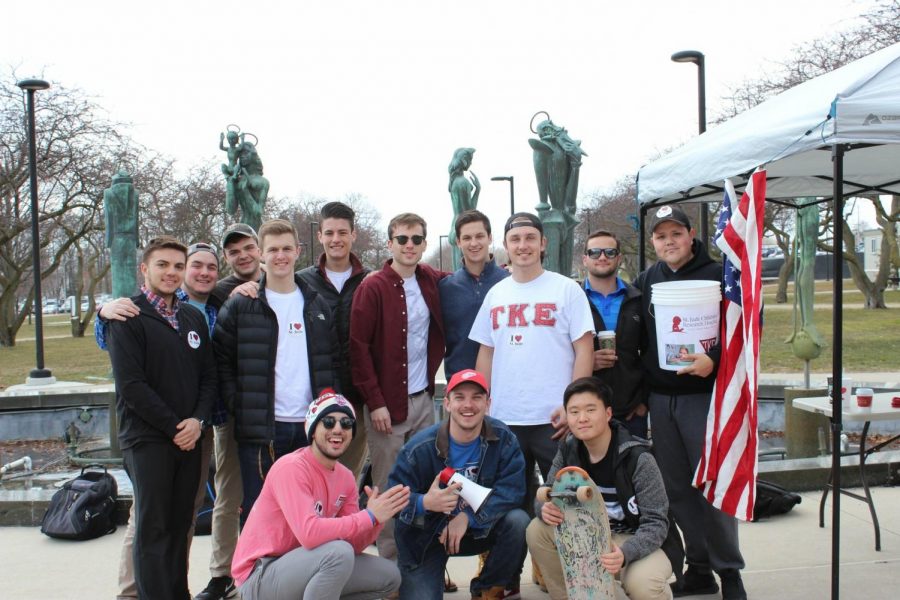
[871,341]
[824,290]
[68,358]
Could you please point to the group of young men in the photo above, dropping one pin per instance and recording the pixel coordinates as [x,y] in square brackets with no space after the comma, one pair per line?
[295,377]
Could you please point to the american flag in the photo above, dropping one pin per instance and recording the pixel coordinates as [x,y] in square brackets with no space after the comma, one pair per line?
[727,470]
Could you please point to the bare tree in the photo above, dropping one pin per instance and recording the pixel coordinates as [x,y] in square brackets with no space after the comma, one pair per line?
[73,142]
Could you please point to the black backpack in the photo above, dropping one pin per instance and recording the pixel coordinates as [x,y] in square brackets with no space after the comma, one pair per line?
[772,499]
[83,508]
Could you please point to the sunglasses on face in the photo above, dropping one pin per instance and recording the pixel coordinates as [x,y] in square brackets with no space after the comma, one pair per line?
[403,239]
[329,422]
[596,252]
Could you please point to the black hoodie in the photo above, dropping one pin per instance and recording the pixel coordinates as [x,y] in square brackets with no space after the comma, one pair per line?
[700,266]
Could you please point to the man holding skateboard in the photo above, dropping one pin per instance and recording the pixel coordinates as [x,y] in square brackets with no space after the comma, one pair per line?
[643,545]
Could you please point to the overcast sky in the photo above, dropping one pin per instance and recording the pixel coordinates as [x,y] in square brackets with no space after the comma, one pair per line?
[373,96]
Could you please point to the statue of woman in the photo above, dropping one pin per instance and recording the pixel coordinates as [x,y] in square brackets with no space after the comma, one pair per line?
[463,193]
[805,341]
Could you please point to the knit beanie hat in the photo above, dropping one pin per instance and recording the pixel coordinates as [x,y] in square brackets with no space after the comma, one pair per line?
[328,402]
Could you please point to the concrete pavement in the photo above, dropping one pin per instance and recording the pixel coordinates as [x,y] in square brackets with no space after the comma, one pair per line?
[788,558]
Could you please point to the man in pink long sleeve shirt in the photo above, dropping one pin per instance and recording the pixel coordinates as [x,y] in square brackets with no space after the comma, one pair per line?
[305,535]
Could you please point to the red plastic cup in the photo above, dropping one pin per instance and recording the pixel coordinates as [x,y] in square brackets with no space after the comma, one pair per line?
[864,397]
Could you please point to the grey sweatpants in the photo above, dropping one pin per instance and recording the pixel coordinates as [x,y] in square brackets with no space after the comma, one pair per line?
[678,427]
[330,571]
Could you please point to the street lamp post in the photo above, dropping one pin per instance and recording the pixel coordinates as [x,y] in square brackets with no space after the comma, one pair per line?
[38,375]
[512,192]
[441,251]
[696,57]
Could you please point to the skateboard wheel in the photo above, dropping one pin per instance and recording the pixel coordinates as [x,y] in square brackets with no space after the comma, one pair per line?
[584,493]
[543,494]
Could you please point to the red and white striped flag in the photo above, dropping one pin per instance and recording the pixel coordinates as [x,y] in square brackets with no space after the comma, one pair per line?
[727,471]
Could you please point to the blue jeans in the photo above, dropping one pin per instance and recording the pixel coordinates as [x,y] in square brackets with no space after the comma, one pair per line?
[636,426]
[257,459]
[502,568]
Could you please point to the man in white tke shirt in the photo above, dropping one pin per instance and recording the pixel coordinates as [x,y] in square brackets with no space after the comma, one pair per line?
[535,330]
[276,352]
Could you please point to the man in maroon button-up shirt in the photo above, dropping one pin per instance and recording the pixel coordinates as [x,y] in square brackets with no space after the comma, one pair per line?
[396,347]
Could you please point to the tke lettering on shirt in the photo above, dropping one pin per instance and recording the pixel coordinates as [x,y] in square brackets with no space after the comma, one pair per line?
[543,315]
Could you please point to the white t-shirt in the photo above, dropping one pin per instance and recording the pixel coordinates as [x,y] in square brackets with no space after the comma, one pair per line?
[293,391]
[338,279]
[418,321]
[531,327]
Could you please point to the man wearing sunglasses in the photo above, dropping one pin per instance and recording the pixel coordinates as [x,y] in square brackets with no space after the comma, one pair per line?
[306,536]
[616,306]
[396,347]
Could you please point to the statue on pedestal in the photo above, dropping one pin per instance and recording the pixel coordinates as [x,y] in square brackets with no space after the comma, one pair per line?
[557,163]
[120,213]
[245,186]
[463,194]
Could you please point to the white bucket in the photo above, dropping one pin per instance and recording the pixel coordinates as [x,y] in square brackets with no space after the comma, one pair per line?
[687,319]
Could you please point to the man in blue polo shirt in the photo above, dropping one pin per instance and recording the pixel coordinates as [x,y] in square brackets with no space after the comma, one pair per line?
[616,306]
[463,292]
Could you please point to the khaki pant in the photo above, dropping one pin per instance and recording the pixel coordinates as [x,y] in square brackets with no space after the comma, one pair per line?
[225,512]
[383,451]
[229,494]
[355,456]
[644,579]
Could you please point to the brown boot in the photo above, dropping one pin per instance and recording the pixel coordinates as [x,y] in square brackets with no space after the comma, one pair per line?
[495,593]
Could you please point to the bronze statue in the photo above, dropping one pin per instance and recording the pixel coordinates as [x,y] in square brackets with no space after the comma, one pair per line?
[805,341]
[120,213]
[557,162]
[463,194]
[245,186]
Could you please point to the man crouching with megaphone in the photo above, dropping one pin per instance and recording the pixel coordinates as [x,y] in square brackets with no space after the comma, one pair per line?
[439,522]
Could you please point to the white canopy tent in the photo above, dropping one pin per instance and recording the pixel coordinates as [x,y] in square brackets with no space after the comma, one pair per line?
[792,134]
[832,136]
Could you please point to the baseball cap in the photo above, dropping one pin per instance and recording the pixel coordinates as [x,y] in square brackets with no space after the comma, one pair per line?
[467,376]
[238,230]
[523,219]
[202,247]
[328,401]
[669,213]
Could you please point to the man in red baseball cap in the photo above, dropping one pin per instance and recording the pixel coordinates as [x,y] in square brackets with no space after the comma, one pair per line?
[437,522]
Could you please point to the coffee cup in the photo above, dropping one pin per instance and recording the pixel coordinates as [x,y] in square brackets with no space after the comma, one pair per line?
[864,398]
[606,340]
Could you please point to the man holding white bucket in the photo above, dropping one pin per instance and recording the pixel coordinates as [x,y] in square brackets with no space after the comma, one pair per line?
[679,402]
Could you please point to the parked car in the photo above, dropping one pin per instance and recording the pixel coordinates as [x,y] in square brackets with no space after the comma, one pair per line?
[51,307]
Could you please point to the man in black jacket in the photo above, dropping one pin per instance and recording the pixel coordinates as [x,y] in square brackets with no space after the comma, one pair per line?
[165,377]
[335,278]
[679,403]
[275,354]
[616,307]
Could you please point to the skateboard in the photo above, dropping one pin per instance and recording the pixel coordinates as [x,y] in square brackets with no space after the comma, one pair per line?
[583,535]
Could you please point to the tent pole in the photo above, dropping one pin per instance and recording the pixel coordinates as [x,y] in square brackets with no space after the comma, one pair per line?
[837,157]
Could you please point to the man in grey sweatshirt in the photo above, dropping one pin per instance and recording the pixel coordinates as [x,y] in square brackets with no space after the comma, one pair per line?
[645,548]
